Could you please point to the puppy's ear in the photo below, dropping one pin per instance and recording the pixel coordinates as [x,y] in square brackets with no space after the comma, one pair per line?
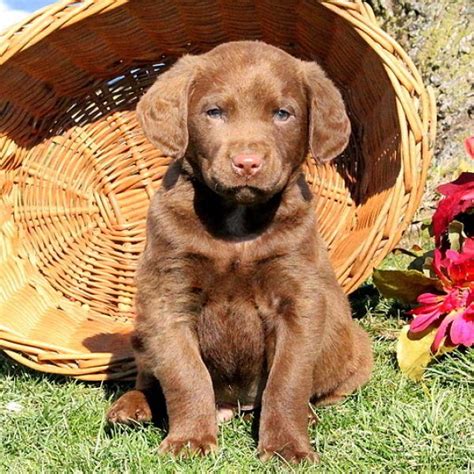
[329,125]
[162,112]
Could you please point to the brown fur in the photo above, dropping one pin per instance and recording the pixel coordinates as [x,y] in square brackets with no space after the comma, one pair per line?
[237,302]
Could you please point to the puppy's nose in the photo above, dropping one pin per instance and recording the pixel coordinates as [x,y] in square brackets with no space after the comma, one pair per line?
[247,165]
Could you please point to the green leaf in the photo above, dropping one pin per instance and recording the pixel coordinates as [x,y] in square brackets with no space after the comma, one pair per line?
[427,268]
[414,351]
[404,285]
[423,263]
[456,235]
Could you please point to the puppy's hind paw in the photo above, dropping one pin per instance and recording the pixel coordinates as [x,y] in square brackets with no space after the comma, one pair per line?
[224,413]
[130,408]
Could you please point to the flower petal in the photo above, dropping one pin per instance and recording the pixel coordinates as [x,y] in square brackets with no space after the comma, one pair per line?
[429,298]
[468,247]
[462,330]
[421,322]
[427,308]
[459,197]
[469,146]
[464,182]
[470,301]
[440,334]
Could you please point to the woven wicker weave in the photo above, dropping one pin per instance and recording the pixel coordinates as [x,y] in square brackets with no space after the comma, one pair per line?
[76,172]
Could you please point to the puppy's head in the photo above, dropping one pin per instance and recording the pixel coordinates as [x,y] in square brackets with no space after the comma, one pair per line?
[245,115]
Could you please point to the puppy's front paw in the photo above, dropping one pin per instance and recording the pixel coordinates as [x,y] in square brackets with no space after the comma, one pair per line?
[187,446]
[293,449]
[132,407]
[291,453]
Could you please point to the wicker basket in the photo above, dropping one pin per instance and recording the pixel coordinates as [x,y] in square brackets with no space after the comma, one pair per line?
[76,172]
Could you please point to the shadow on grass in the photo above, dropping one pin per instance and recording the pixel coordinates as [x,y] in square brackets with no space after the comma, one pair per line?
[11,368]
[367,300]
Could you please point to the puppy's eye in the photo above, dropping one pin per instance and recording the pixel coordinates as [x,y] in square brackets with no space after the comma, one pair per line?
[214,112]
[281,115]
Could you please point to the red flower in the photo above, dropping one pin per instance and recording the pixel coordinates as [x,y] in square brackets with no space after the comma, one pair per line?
[459,198]
[453,310]
[469,145]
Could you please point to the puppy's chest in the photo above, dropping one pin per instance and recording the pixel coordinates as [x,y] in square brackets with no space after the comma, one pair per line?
[236,319]
[240,292]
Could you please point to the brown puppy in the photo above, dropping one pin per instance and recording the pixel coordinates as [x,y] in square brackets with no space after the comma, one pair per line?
[237,302]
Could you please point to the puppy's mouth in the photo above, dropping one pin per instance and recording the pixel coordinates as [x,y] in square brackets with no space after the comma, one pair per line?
[241,194]
[253,190]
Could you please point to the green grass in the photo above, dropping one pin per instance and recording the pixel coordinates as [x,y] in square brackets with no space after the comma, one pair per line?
[392,425]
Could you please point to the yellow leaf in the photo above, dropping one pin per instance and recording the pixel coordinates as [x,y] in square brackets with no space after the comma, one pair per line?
[444,349]
[414,352]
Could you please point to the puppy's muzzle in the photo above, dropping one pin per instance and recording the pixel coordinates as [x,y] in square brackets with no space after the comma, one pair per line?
[247,165]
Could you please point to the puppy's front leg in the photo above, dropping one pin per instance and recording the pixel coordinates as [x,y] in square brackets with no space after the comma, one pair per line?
[284,418]
[172,349]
